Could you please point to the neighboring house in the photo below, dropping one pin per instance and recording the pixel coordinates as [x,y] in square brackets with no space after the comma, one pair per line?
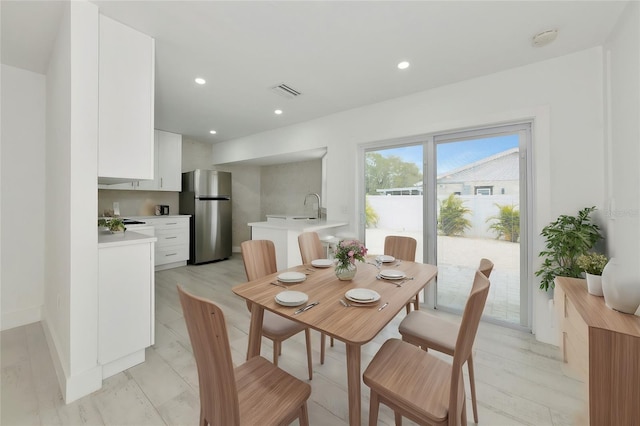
[494,175]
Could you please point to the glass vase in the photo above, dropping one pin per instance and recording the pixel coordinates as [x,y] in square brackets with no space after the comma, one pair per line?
[346,272]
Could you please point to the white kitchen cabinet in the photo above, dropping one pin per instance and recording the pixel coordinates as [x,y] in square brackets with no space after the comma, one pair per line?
[125,300]
[172,247]
[167,166]
[169,161]
[126,103]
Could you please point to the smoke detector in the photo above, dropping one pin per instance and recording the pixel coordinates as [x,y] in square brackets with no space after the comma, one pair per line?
[544,38]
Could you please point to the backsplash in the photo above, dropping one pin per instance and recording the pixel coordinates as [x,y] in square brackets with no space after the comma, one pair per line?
[137,203]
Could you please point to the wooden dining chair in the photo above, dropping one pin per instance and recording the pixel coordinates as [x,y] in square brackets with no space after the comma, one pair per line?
[256,392]
[422,387]
[431,332]
[259,258]
[310,250]
[403,248]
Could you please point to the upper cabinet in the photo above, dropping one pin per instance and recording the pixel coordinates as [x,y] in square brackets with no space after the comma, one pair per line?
[167,166]
[169,161]
[126,99]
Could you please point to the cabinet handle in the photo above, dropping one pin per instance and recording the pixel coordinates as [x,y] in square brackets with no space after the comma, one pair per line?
[171,254]
[171,223]
[170,238]
[161,185]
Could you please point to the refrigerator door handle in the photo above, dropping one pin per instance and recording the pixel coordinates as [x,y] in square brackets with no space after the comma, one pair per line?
[213,197]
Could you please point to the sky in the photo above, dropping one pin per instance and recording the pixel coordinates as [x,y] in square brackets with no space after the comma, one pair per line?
[452,155]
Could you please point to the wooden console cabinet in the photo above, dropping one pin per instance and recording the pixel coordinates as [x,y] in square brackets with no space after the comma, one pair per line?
[603,347]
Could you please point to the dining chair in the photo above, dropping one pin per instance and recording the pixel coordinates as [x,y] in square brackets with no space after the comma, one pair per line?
[310,250]
[259,258]
[423,387]
[256,392]
[403,248]
[431,332]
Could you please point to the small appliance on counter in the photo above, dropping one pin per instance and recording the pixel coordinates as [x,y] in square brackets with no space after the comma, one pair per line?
[162,210]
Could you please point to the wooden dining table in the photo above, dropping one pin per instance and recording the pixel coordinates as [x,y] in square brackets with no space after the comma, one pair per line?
[355,326]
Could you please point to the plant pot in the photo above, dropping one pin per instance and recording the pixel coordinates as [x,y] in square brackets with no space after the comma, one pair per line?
[621,286]
[594,284]
[346,272]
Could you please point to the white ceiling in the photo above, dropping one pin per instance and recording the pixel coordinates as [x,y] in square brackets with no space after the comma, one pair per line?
[340,55]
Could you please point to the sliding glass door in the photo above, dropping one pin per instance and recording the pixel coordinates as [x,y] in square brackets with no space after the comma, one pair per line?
[463,196]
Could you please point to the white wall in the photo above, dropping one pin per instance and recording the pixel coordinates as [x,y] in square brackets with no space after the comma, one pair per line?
[23,204]
[284,187]
[622,109]
[563,97]
[71,246]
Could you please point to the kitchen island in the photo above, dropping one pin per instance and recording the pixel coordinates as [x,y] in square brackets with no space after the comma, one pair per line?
[126,301]
[283,230]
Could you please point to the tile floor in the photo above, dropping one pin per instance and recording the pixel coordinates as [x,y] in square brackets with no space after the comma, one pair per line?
[519,380]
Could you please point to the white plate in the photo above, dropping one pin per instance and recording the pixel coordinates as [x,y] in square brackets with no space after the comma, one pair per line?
[385,258]
[292,277]
[322,263]
[362,295]
[392,274]
[291,298]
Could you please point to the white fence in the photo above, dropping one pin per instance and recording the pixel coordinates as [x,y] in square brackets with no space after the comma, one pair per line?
[404,212]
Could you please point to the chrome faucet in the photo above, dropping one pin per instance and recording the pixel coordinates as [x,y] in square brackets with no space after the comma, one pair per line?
[319,212]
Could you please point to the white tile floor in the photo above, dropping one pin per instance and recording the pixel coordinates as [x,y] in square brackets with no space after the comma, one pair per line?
[519,380]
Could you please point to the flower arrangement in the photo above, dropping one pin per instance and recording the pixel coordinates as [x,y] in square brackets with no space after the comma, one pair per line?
[348,251]
[592,263]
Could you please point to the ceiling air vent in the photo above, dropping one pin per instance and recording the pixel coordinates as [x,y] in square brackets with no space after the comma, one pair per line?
[286,91]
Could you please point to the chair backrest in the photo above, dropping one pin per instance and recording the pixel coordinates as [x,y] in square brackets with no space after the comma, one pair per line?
[400,247]
[310,247]
[259,258]
[486,266]
[211,349]
[466,335]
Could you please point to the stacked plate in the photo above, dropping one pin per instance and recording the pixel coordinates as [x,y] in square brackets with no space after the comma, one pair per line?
[291,277]
[291,298]
[385,258]
[362,295]
[322,263]
[392,274]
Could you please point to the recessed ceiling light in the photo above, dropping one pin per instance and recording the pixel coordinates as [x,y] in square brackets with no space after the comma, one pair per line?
[200,80]
[213,132]
[403,65]
[278,111]
[544,38]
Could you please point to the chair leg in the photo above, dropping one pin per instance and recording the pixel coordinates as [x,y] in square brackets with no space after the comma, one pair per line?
[408,308]
[472,384]
[322,345]
[304,415]
[203,421]
[374,406]
[307,338]
[276,351]
[416,303]
[398,418]
[331,339]
[464,412]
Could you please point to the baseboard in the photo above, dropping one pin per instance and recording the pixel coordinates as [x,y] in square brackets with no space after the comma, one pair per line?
[170,265]
[20,318]
[72,387]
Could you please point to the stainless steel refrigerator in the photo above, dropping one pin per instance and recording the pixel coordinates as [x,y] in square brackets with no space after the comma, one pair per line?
[206,196]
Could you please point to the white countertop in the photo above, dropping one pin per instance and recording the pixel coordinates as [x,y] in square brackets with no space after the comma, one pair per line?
[304,226]
[157,217]
[107,239]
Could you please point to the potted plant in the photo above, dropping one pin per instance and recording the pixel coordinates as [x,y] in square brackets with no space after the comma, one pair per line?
[566,239]
[452,220]
[507,222]
[593,264]
[347,252]
[114,224]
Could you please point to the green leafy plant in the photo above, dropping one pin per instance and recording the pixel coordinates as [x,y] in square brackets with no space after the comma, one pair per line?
[452,220]
[592,263]
[114,224]
[566,239]
[371,217]
[506,222]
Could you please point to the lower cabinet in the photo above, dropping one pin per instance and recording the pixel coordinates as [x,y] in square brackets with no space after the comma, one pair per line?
[125,305]
[172,247]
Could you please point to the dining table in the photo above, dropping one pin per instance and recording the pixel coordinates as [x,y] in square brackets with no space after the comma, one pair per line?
[354,325]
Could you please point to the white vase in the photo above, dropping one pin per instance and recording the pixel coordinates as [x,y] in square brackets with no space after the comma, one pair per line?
[594,284]
[621,286]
